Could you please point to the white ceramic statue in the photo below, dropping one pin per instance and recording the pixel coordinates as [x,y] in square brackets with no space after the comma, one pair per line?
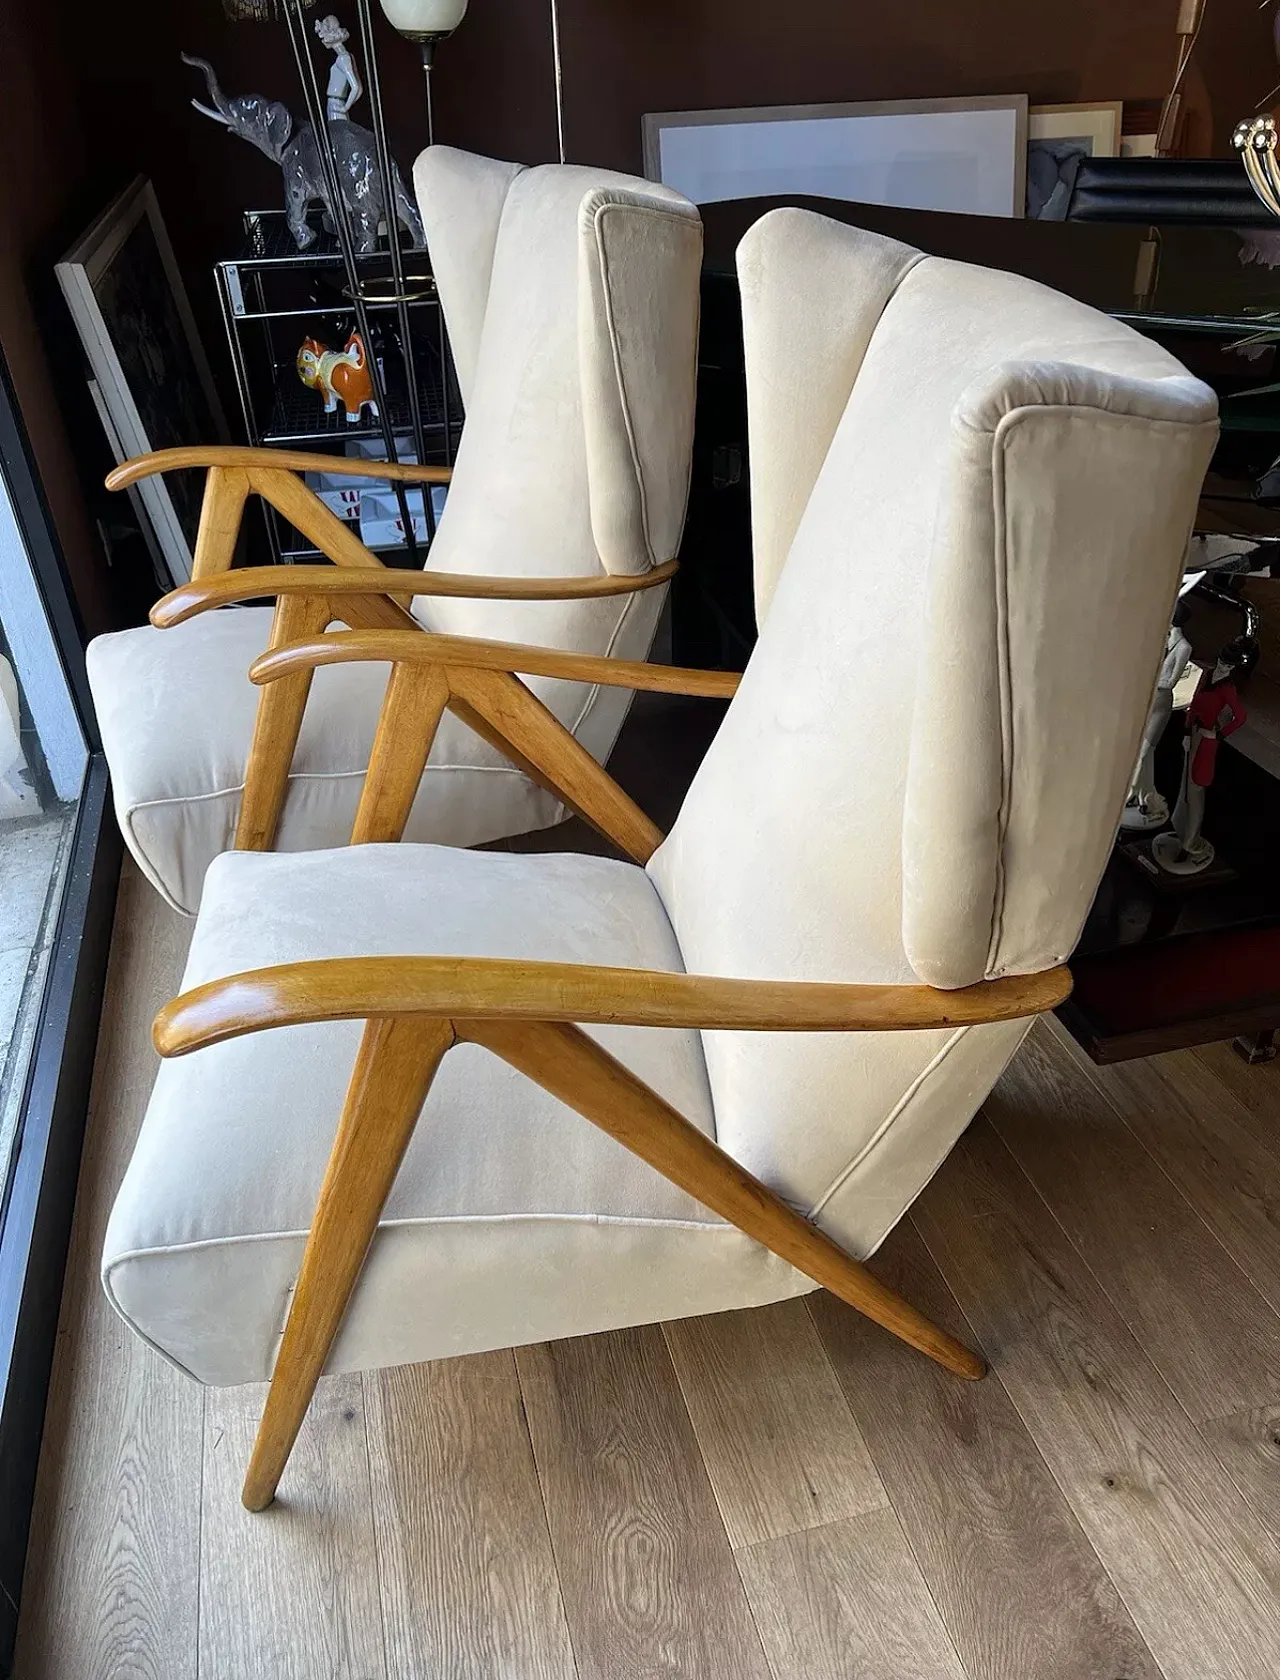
[268,125]
[1146,807]
[345,86]
[1215,712]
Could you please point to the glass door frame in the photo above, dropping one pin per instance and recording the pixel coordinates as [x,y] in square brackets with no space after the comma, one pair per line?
[38,1187]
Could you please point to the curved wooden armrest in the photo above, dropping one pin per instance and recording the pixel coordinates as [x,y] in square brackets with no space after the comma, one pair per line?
[495,989]
[527,1013]
[406,648]
[250,582]
[291,460]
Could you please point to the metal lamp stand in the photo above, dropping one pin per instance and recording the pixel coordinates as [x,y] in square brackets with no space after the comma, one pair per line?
[299,40]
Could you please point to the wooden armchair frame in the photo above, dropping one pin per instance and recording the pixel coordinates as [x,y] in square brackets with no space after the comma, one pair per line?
[367,594]
[531,1014]
[232,474]
[476,681]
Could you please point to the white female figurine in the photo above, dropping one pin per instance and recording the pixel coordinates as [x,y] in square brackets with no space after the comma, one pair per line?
[345,86]
[1215,712]
[1146,807]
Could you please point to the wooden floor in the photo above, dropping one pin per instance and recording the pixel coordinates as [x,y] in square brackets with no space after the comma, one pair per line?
[784,1492]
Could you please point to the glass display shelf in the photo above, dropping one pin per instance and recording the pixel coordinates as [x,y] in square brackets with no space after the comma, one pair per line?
[273,295]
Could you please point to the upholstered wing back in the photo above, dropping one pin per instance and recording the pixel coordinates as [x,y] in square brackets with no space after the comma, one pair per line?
[571,296]
[971,500]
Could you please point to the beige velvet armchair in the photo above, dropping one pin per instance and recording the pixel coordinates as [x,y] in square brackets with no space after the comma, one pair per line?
[571,296]
[581,1093]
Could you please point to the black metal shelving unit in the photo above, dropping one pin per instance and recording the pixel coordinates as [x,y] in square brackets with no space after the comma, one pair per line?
[273,295]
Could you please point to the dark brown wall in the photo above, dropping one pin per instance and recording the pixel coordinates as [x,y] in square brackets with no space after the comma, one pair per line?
[86,107]
[622,58]
[632,56]
[688,54]
[45,153]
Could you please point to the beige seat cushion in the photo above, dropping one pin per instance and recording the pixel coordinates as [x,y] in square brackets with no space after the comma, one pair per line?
[176,709]
[513,1219]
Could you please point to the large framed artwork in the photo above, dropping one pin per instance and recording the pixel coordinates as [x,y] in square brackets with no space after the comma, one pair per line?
[151,377]
[1058,136]
[966,155]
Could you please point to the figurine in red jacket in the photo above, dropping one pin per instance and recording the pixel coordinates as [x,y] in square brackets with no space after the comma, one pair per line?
[1215,712]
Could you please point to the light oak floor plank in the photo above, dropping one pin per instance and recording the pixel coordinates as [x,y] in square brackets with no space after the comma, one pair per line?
[461,1554]
[1197,1571]
[1251,1101]
[1222,1083]
[307,1564]
[846,1600]
[776,1433]
[1256,1086]
[1207,1143]
[648,1577]
[1213,1337]
[469,1584]
[1020,1589]
[1249,1445]
[111,1587]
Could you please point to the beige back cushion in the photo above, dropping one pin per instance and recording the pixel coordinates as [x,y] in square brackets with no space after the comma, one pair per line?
[971,500]
[571,297]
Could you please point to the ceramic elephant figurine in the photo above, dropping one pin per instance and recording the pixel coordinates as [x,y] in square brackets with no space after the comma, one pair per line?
[268,125]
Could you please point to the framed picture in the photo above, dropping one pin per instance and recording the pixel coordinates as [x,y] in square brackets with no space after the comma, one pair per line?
[965,155]
[1058,136]
[153,385]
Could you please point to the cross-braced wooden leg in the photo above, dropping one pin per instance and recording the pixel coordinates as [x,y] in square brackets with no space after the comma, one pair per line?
[225,490]
[411,713]
[397,1061]
[572,1066]
[522,725]
[277,726]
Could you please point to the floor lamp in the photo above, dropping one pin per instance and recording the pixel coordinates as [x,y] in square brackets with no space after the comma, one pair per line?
[425,21]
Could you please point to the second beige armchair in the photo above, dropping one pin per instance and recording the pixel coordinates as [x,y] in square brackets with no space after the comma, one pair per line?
[571,296]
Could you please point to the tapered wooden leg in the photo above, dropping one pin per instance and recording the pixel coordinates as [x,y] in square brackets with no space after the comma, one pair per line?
[518,720]
[275,731]
[572,1066]
[225,490]
[411,713]
[394,1068]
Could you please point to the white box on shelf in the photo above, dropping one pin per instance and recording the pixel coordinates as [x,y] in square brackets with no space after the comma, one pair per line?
[342,494]
[373,448]
[339,495]
[380,522]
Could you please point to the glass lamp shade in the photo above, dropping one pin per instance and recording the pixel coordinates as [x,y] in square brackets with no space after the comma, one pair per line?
[424,20]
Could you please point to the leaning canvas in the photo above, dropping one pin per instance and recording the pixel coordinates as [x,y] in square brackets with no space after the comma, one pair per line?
[126,296]
[966,155]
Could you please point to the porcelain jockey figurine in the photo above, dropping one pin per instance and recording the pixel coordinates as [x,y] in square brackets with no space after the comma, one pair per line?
[345,86]
[1146,807]
[1215,712]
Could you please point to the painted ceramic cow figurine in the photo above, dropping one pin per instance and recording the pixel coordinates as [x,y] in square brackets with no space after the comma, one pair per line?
[338,375]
